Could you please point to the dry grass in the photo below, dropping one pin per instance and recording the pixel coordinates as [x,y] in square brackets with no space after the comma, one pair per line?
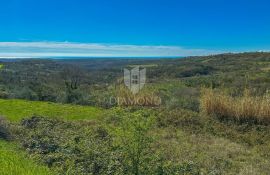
[243,109]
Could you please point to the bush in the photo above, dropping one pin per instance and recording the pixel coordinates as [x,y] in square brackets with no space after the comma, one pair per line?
[25,93]
[179,118]
[4,129]
[70,147]
[91,148]
[124,146]
[133,139]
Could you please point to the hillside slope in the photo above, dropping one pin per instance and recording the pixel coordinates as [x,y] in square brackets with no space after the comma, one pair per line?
[15,110]
[13,161]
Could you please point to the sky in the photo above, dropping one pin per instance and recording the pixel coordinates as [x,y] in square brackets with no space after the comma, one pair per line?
[130,28]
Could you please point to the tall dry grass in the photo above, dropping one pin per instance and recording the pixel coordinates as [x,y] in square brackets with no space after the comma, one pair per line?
[246,108]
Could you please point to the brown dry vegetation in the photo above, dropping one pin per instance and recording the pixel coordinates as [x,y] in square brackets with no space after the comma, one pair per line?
[246,108]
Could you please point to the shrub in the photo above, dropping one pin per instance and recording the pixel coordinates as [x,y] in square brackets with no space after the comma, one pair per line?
[125,146]
[181,118]
[4,129]
[133,139]
[145,98]
[4,94]
[90,148]
[25,93]
[70,147]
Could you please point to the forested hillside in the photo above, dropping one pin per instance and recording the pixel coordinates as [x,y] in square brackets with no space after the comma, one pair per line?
[213,117]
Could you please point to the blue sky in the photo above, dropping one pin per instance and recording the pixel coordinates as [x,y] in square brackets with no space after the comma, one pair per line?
[132,27]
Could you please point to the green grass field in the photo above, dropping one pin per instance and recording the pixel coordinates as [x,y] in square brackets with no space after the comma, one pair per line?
[15,110]
[15,162]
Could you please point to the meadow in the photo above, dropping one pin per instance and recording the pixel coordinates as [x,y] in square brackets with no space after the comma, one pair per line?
[178,141]
[16,110]
[16,162]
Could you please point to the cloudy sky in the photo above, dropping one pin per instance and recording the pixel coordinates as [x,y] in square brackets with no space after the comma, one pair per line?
[68,49]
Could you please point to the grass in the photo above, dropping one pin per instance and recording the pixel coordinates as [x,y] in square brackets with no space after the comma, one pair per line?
[15,110]
[245,108]
[221,153]
[12,159]
[213,155]
[15,162]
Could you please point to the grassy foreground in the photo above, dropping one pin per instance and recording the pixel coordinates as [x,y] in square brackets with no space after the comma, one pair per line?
[12,159]
[15,110]
[178,141]
[15,162]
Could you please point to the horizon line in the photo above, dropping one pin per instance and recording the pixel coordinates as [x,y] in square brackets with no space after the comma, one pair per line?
[49,49]
[128,57]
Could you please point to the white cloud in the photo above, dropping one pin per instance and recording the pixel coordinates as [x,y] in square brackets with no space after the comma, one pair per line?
[68,49]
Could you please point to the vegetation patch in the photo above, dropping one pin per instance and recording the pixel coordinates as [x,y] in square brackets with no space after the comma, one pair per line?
[15,110]
[246,108]
[179,136]
[92,148]
[15,161]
